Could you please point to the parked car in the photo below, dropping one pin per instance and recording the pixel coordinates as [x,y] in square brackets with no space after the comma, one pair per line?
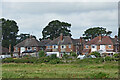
[81,56]
[86,56]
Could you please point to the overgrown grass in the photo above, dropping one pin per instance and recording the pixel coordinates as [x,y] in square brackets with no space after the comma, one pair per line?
[73,70]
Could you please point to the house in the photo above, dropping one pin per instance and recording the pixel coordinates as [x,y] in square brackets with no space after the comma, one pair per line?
[43,43]
[5,52]
[27,46]
[105,45]
[64,44]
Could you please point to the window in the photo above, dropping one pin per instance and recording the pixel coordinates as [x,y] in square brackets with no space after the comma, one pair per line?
[63,46]
[109,46]
[16,48]
[34,48]
[69,46]
[55,46]
[87,46]
[48,47]
[93,46]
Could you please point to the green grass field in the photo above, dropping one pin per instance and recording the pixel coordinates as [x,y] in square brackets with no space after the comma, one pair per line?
[22,70]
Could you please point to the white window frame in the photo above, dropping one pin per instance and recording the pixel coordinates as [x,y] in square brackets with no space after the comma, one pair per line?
[35,48]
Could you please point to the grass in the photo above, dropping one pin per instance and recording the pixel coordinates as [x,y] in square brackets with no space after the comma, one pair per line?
[23,70]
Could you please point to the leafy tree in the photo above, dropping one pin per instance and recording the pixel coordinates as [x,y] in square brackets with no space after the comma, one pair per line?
[96,31]
[73,54]
[55,28]
[9,32]
[97,54]
[41,54]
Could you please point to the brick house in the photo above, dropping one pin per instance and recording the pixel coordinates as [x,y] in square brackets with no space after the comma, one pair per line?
[64,44]
[29,45]
[105,45]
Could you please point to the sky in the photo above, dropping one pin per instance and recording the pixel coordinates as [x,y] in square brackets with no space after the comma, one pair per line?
[32,17]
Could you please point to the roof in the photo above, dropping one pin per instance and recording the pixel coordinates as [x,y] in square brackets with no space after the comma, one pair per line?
[4,50]
[29,42]
[86,51]
[44,42]
[105,40]
[66,40]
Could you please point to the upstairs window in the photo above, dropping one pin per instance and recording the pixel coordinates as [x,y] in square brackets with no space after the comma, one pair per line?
[93,46]
[69,46]
[63,46]
[55,47]
[87,46]
[109,46]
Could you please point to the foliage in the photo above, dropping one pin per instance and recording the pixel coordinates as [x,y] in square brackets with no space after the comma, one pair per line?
[55,61]
[108,58]
[55,28]
[73,54]
[99,75]
[116,55]
[97,54]
[53,56]
[65,56]
[9,33]
[41,53]
[96,31]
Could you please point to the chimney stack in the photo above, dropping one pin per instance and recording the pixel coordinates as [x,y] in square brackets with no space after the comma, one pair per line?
[100,37]
[9,48]
[61,36]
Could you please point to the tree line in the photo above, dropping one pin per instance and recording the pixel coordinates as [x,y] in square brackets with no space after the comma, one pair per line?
[52,30]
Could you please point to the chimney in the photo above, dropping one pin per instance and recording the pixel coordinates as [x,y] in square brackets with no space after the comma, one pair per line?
[100,37]
[9,48]
[61,36]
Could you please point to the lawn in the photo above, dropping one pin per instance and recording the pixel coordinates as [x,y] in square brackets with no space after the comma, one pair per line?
[24,70]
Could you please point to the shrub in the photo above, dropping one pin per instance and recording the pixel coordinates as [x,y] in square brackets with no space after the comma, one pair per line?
[41,53]
[108,58]
[73,54]
[65,56]
[116,55]
[98,75]
[53,56]
[97,54]
[55,61]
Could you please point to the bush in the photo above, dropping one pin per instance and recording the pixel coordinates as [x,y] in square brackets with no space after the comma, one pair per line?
[99,75]
[65,56]
[41,54]
[97,54]
[53,56]
[73,54]
[55,61]
[108,58]
[116,55]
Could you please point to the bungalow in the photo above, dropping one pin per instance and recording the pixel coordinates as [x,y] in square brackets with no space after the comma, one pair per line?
[64,44]
[105,45]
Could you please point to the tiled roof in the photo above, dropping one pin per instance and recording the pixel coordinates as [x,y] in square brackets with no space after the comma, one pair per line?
[105,40]
[66,40]
[4,50]
[28,43]
[44,42]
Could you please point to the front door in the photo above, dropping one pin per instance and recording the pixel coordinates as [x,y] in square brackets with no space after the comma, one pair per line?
[102,47]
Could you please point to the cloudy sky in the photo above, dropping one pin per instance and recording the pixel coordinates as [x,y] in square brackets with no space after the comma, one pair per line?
[32,17]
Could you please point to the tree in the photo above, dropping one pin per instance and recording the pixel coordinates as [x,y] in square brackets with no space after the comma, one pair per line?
[42,54]
[55,28]
[96,31]
[9,32]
